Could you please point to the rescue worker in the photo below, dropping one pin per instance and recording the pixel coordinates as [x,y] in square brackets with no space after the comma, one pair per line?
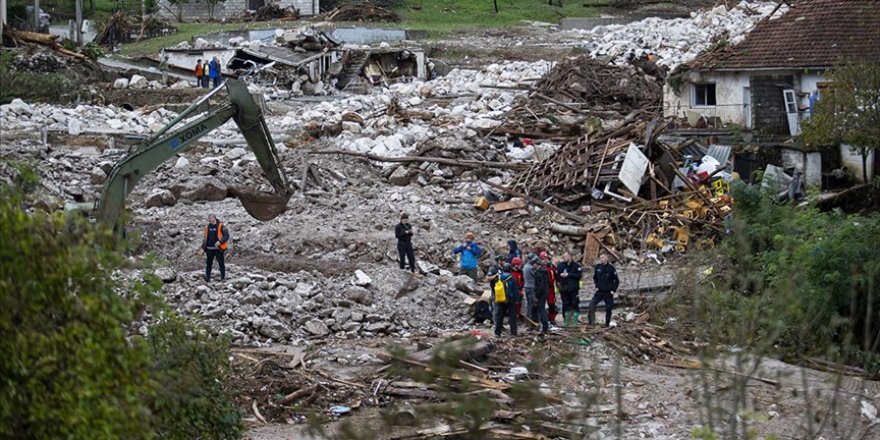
[568,279]
[606,280]
[200,72]
[517,274]
[494,271]
[507,308]
[470,252]
[529,284]
[551,286]
[214,72]
[403,232]
[514,251]
[214,246]
[542,289]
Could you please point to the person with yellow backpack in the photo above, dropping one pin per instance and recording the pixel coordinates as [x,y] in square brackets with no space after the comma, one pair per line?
[214,246]
[505,293]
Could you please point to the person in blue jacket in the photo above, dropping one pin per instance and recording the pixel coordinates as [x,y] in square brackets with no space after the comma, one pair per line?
[214,72]
[470,252]
[507,308]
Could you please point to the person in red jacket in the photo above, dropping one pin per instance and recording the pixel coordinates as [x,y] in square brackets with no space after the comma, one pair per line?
[517,274]
[551,296]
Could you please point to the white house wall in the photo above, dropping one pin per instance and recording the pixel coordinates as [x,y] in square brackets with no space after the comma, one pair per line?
[729,93]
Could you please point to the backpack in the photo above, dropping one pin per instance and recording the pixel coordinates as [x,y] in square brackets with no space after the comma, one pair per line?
[500,291]
[482,312]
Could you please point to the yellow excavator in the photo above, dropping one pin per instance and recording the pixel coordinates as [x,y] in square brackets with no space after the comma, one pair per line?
[165,144]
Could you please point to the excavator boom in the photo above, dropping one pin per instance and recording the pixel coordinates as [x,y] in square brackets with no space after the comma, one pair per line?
[165,144]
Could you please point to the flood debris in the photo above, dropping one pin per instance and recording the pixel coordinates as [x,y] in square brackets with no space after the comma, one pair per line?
[360,11]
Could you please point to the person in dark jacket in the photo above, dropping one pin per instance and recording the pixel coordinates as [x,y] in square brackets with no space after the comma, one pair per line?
[606,280]
[568,277]
[507,308]
[403,231]
[494,271]
[542,290]
[214,72]
[214,246]
[514,251]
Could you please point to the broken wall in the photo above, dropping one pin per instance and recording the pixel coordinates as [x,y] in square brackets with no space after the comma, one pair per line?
[729,88]
[198,11]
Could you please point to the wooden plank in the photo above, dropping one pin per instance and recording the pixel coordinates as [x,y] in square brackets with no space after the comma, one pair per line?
[507,206]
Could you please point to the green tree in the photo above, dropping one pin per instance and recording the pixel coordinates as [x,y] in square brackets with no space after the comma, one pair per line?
[70,367]
[849,111]
[212,5]
[178,8]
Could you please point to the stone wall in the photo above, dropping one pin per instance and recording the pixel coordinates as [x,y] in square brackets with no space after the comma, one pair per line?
[198,10]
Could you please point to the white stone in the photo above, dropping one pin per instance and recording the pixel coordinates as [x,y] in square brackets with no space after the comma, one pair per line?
[74,127]
[138,82]
[181,85]
[362,279]
[182,162]
[201,43]
[236,153]
[120,83]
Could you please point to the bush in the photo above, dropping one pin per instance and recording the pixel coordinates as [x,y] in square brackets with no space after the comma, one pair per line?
[793,282]
[70,368]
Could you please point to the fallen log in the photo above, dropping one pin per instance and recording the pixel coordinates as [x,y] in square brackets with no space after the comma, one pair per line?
[297,394]
[696,365]
[439,160]
[575,231]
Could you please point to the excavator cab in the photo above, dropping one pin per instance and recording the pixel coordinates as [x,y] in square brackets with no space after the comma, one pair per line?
[165,144]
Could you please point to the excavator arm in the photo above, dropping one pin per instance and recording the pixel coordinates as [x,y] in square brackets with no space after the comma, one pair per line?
[164,145]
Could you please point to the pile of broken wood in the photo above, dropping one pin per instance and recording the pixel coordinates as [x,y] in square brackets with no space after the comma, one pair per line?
[20,38]
[273,11]
[360,11]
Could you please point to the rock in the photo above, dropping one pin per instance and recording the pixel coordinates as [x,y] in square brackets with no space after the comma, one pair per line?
[236,41]
[154,85]
[74,127]
[181,85]
[201,43]
[182,162]
[362,279]
[402,176]
[352,127]
[317,328]
[159,197]
[120,83]
[236,153]
[357,316]
[271,328]
[351,326]
[97,176]
[377,327]
[360,295]
[341,315]
[138,82]
[166,274]
[204,188]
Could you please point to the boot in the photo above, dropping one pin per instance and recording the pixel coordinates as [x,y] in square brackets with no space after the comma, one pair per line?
[575,316]
[565,319]
[591,318]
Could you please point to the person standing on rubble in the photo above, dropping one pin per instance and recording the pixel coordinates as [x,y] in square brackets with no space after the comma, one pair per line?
[551,286]
[514,251]
[494,271]
[214,246]
[542,291]
[199,72]
[214,72]
[568,279]
[529,284]
[470,252]
[606,280]
[507,308]
[403,231]
[517,274]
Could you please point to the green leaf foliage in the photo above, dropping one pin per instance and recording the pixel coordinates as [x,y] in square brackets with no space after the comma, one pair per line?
[71,367]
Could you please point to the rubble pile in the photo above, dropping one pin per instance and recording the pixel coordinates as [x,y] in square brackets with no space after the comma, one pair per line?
[272,11]
[20,115]
[595,85]
[363,11]
[679,40]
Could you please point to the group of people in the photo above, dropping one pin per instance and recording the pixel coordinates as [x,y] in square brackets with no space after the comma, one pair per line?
[208,72]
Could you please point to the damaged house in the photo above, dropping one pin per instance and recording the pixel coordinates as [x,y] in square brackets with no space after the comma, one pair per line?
[766,83]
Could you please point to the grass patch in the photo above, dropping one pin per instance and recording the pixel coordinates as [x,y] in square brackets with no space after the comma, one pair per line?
[443,16]
[187,31]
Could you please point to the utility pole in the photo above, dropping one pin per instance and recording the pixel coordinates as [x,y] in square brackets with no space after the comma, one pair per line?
[2,18]
[36,15]
[79,22]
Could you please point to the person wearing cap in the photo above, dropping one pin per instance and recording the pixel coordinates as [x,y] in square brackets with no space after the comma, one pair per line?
[606,280]
[403,231]
[517,273]
[507,308]
[568,280]
[495,270]
[542,291]
[214,246]
[470,252]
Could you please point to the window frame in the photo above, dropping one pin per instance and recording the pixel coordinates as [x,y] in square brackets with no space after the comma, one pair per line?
[694,95]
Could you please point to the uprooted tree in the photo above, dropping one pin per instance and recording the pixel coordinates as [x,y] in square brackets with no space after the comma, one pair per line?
[848,111]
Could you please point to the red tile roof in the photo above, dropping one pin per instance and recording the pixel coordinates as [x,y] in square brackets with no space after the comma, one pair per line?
[813,33]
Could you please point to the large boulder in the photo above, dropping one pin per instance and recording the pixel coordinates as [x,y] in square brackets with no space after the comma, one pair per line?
[317,328]
[204,188]
[159,197]
[120,83]
[138,82]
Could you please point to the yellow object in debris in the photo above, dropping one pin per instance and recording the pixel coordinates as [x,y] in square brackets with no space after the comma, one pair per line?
[706,243]
[481,203]
[693,204]
[721,187]
[682,235]
[654,241]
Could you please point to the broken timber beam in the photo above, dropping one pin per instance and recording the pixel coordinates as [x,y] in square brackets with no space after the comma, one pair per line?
[439,160]
[540,203]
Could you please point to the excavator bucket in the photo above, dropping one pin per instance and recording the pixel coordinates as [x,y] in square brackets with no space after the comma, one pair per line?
[262,206]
